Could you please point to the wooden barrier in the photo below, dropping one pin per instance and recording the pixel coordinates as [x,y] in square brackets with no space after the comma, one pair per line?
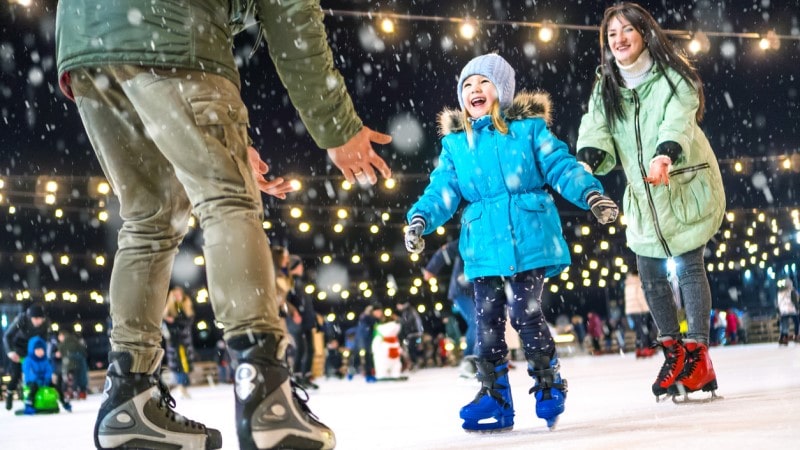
[762,329]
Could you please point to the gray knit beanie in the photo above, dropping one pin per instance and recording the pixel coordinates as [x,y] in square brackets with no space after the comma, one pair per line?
[497,70]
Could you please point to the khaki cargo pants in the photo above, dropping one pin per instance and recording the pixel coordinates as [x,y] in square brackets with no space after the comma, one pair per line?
[173,142]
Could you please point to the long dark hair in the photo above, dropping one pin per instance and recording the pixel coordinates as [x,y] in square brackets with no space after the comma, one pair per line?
[661,49]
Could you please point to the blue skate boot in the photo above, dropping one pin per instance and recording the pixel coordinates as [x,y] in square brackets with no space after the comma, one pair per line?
[550,390]
[492,410]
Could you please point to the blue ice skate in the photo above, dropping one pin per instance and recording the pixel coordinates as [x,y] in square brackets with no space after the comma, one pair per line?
[492,410]
[29,410]
[550,390]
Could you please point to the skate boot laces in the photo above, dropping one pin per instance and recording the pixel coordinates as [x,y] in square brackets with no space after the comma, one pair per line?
[671,362]
[166,402]
[302,402]
[692,359]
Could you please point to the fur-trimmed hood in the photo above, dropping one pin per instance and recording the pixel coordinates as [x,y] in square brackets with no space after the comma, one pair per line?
[526,105]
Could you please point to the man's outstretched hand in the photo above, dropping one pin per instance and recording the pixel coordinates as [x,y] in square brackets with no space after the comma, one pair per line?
[277,187]
[357,160]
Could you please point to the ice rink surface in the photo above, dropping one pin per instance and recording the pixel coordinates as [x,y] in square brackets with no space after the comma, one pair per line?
[609,406]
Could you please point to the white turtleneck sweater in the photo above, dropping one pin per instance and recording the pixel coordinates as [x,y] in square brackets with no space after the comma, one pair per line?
[635,73]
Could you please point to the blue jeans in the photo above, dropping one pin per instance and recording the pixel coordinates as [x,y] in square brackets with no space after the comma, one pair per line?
[80,374]
[466,307]
[642,324]
[786,323]
[524,310]
[695,291]
[181,378]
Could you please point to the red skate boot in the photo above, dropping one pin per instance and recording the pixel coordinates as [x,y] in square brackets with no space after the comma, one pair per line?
[645,352]
[674,358]
[648,352]
[698,372]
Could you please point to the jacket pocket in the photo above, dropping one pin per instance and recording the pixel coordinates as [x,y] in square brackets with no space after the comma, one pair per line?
[630,208]
[690,193]
[470,232]
[535,223]
[532,201]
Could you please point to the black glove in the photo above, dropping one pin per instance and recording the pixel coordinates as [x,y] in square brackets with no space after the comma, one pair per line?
[603,207]
[414,241]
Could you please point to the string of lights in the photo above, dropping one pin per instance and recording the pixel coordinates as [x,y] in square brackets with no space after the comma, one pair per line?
[97,188]
[548,30]
[764,238]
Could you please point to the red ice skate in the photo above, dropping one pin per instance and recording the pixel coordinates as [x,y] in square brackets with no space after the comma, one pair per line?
[698,372]
[674,359]
[645,352]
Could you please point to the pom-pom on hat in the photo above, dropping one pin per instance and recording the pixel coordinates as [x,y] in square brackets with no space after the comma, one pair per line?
[497,70]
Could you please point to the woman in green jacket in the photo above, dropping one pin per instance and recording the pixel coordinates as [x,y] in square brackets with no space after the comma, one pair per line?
[643,113]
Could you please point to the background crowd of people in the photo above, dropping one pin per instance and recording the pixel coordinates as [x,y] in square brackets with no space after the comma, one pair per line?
[40,358]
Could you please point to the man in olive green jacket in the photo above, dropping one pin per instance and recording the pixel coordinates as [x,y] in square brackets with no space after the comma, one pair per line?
[157,88]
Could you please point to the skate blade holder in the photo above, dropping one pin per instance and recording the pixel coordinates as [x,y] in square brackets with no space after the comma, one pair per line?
[488,422]
[490,430]
[683,396]
[663,397]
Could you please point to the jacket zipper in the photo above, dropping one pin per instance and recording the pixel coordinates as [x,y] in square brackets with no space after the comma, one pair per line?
[647,186]
[508,194]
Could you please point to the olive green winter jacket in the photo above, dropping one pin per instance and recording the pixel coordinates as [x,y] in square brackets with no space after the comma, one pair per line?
[662,221]
[198,35]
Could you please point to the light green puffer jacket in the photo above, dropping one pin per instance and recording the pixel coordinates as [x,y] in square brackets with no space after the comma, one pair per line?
[662,221]
[198,35]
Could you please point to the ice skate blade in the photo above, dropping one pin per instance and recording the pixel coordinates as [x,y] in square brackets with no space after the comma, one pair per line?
[661,398]
[683,400]
[683,396]
[400,378]
[490,430]
[551,424]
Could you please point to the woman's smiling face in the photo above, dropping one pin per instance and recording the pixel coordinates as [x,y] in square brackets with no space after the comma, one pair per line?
[479,94]
[624,40]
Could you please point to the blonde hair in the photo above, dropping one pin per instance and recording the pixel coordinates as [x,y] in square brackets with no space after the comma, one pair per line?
[497,120]
[174,306]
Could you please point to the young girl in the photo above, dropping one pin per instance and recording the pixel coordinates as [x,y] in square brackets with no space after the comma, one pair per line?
[497,156]
[644,110]
[179,321]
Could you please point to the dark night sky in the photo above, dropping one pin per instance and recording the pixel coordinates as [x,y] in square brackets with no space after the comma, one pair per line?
[400,83]
[752,97]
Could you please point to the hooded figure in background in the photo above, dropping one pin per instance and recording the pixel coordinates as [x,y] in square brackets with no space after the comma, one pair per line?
[15,341]
[37,373]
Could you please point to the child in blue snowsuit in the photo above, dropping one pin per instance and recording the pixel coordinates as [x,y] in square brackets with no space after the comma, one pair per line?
[497,157]
[37,371]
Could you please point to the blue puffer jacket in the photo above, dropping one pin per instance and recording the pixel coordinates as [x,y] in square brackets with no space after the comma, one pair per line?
[34,369]
[510,223]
